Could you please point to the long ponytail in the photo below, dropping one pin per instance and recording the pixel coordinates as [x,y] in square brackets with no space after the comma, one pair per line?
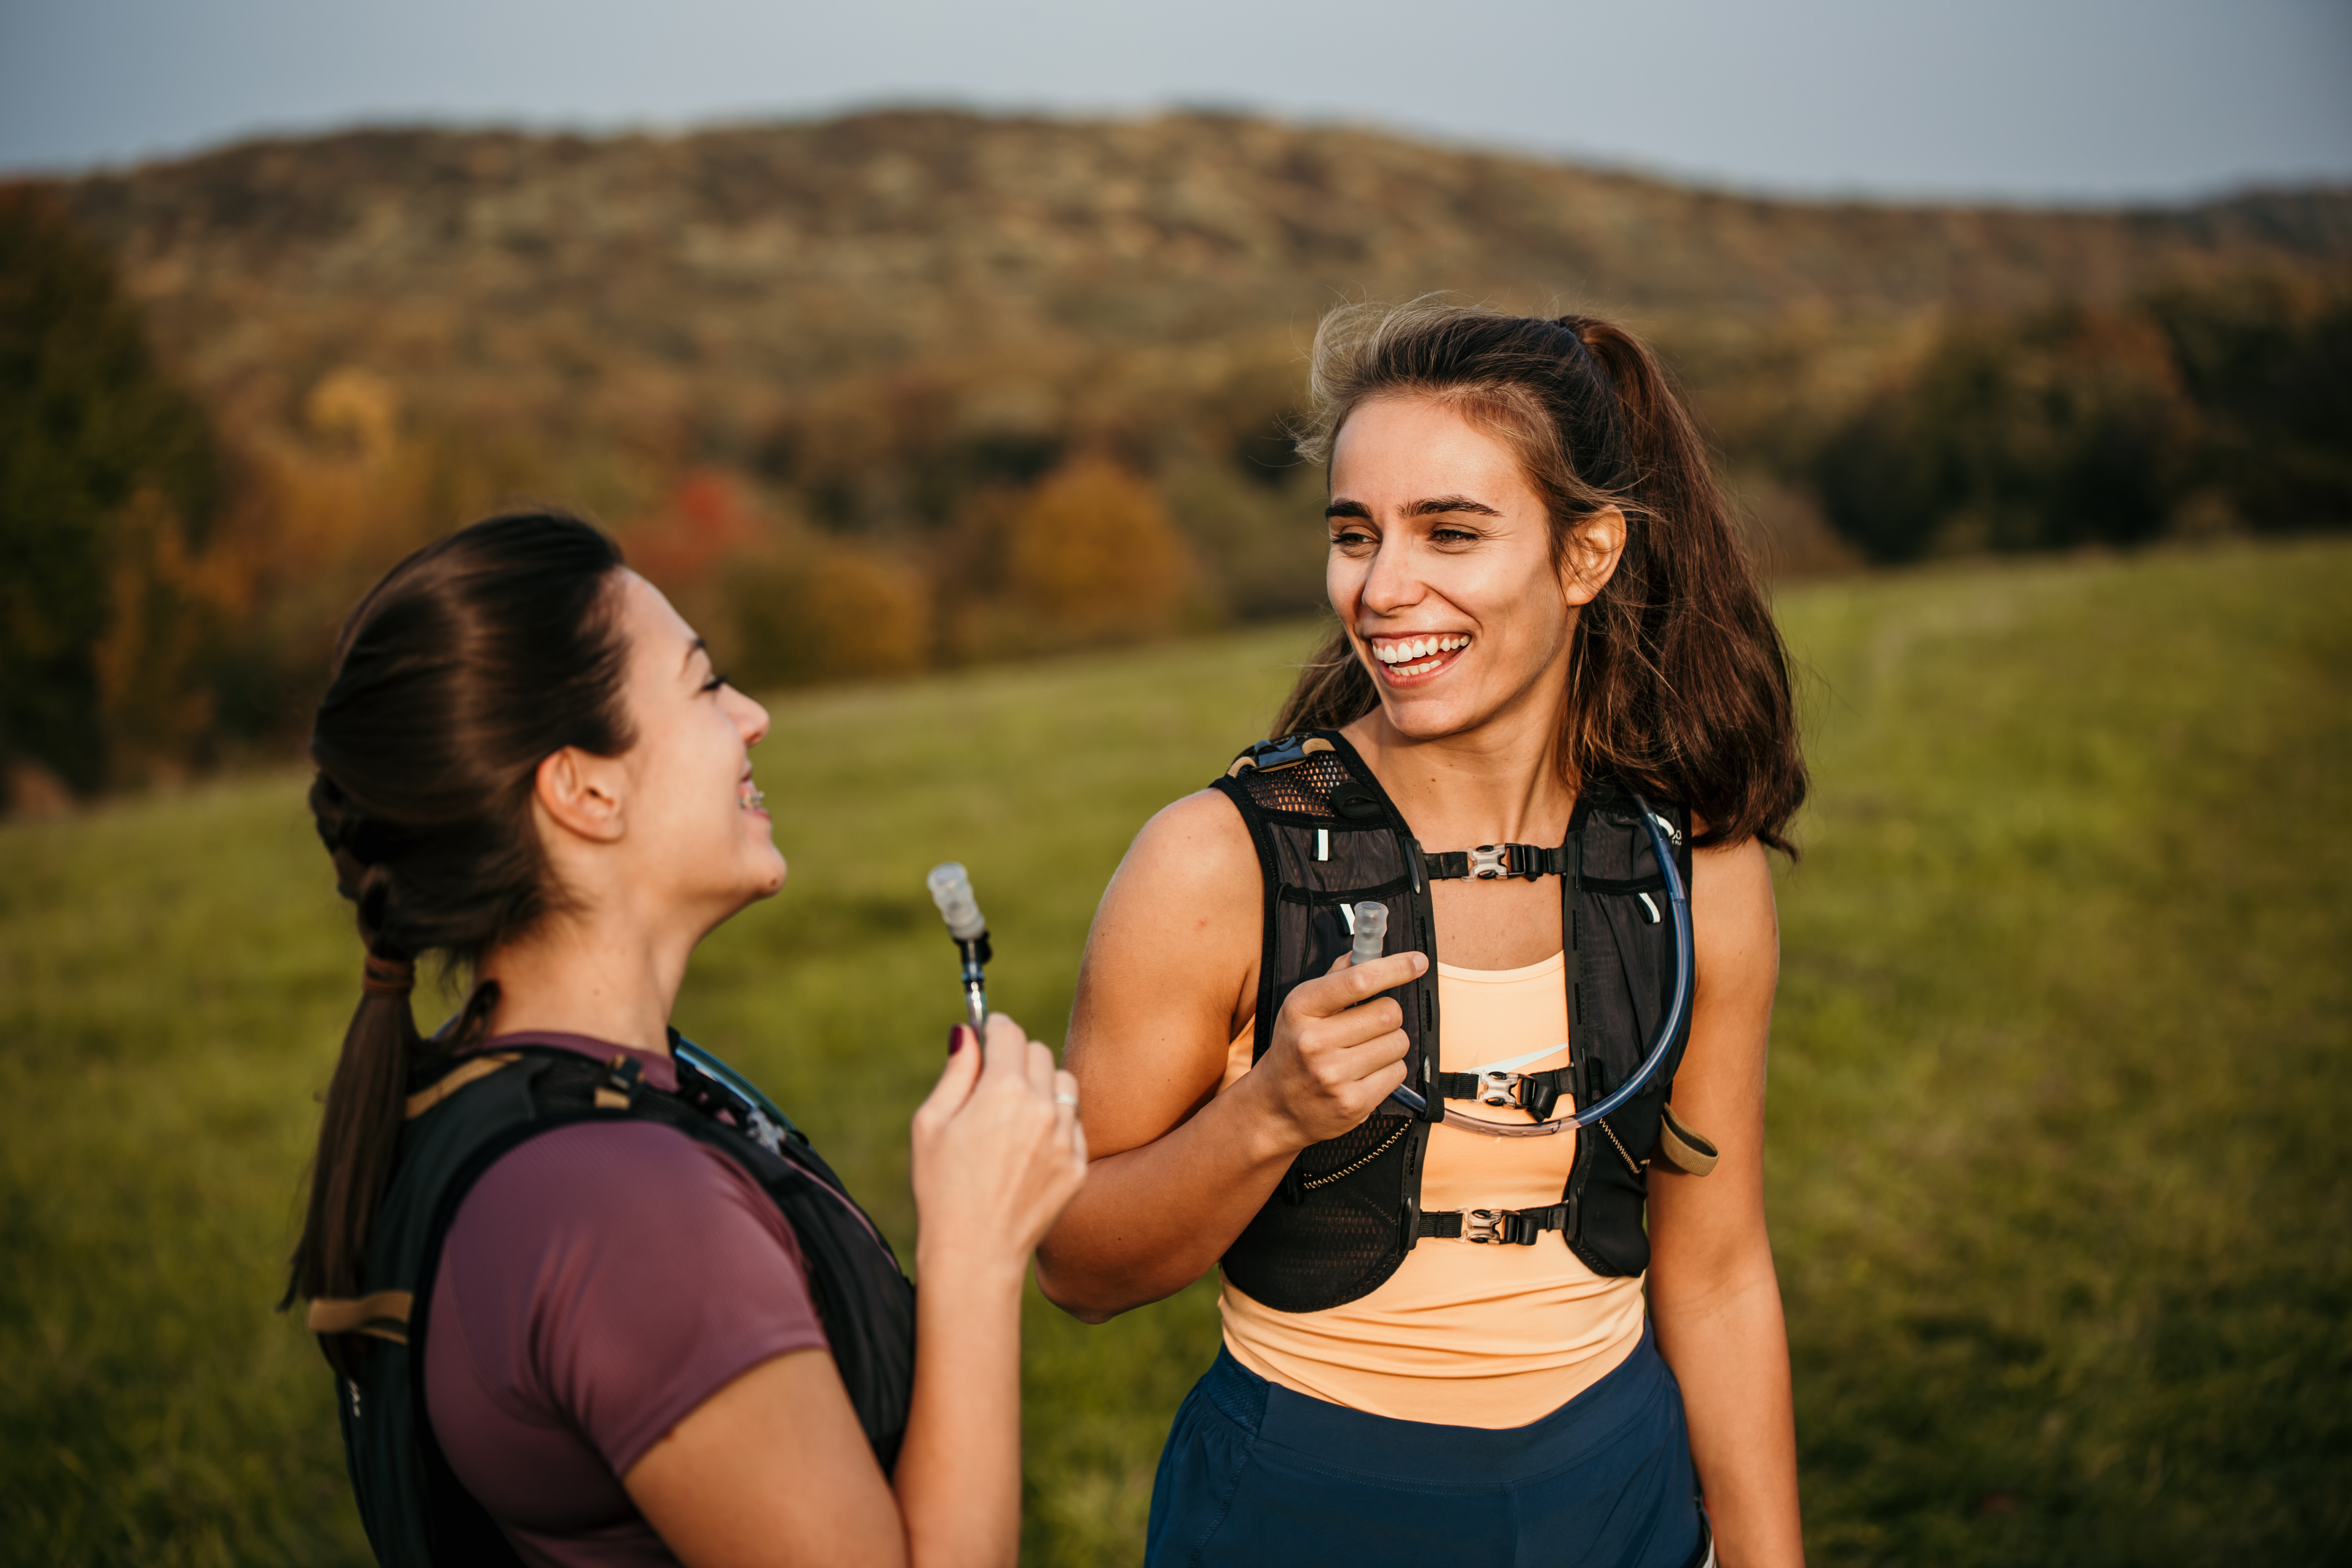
[359,1127]
[473,660]
[1679,680]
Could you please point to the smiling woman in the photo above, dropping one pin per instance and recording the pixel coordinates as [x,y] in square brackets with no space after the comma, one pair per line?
[579,1283]
[1547,646]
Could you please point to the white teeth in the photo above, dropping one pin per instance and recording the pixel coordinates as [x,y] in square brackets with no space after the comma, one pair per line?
[1414,649]
[755,799]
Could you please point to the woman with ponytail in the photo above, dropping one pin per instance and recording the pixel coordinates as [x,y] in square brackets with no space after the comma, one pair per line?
[1459,1325]
[589,1297]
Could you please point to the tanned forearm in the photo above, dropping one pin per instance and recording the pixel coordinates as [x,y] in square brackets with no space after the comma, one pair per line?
[1729,1349]
[1154,1219]
[958,1473]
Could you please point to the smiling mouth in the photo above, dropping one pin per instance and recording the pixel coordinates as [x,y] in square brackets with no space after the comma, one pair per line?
[752,797]
[1404,658]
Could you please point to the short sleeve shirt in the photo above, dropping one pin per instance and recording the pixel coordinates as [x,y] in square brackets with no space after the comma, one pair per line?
[598,1284]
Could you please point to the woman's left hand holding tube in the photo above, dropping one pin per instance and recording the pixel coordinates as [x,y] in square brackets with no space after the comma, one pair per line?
[774,1468]
[998,1154]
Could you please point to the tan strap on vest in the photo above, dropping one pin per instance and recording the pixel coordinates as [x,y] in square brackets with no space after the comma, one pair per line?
[383,1315]
[1684,1150]
[1307,748]
[458,1078]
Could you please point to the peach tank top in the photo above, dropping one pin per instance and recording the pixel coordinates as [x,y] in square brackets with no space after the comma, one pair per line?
[1463,1334]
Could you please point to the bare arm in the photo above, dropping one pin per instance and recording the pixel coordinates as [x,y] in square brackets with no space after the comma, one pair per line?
[1169,978]
[775,1469]
[1713,1296]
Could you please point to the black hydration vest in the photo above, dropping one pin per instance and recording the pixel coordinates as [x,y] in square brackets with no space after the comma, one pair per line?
[466,1112]
[1348,1210]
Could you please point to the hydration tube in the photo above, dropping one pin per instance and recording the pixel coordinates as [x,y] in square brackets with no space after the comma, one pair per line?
[950,888]
[726,1077]
[1678,907]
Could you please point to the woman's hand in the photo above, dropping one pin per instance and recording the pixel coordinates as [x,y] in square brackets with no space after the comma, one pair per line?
[999,1152]
[1338,1048]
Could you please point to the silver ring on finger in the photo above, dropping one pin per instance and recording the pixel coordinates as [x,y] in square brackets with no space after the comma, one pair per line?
[1069,1100]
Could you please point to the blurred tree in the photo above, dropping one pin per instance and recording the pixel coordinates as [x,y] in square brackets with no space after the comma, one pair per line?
[707,519]
[826,611]
[88,426]
[1093,557]
[2070,427]
[1261,547]
[2269,363]
[2224,405]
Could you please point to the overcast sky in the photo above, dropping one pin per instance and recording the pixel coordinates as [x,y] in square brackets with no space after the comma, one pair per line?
[2016,99]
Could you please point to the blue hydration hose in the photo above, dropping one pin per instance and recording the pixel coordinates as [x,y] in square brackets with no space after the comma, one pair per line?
[719,1072]
[1678,904]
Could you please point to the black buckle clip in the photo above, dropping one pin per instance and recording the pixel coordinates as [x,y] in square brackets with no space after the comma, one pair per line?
[1498,1227]
[1531,1094]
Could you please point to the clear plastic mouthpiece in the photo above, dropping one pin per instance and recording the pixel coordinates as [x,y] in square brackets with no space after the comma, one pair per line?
[1371,932]
[950,888]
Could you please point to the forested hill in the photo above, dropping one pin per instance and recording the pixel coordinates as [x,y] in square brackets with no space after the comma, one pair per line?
[709,275]
[902,389]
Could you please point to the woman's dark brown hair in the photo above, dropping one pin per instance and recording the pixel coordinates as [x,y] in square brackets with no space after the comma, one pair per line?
[473,660]
[1678,681]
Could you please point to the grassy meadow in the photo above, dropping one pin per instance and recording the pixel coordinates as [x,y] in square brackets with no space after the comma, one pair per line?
[2059,1068]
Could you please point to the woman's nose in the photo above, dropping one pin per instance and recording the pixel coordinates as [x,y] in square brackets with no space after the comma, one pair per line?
[751,718]
[1392,585]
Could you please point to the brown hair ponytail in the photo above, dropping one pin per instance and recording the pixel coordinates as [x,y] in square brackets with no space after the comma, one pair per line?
[473,660]
[1679,680]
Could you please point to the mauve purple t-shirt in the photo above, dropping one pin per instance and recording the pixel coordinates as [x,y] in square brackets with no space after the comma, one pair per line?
[599,1283]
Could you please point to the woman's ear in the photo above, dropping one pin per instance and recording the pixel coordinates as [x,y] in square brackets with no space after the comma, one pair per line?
[1589,554]
[581,792]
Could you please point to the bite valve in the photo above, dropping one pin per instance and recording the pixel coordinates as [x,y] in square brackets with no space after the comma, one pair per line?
[950,888]
[1371,932]
[1371,924]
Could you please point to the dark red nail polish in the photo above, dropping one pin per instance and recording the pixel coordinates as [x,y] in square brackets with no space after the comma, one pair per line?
[955,1040]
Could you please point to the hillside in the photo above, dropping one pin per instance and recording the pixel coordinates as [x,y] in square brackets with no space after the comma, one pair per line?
[704,281]
[898,391]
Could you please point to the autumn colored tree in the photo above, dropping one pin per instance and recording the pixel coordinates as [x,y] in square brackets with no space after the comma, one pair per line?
[825,610]
[1093,557]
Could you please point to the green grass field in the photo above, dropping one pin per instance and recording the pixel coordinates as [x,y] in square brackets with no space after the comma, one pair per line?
[2059,1071]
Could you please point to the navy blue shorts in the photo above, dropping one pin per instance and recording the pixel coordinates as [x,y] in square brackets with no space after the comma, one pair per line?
[1254,1473]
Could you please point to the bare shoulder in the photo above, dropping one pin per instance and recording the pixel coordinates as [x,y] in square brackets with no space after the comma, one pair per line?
[1734,925]
[1170,966]
[1197,847]
[1737,875]
[1184,893]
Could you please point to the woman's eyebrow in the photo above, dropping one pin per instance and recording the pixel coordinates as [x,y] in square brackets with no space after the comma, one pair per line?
[696,646]
[1437,504]
[1348,508]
